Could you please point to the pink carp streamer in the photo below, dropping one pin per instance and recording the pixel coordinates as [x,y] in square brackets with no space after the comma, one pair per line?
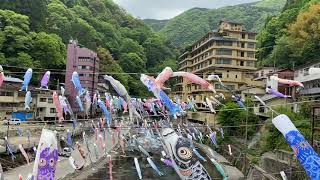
[1,78]
[58,106]
[23,152]
[110,166]
[287,81]
[163,77]
[195,79]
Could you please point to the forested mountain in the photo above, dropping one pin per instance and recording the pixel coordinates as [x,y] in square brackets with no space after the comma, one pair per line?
[191,25]
[292,38]
[155,24]
[33,33]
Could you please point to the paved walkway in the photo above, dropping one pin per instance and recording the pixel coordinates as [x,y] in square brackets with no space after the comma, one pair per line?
[63,166]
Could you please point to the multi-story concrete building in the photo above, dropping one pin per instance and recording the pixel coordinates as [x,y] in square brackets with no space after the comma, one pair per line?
[12,101]
[43,105]
[228,52]
[311,82]
[86,63]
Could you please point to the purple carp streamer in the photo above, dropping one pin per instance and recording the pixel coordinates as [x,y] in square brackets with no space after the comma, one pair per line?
[47,156]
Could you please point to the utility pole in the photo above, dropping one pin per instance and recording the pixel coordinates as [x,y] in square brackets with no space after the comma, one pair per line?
[93,81]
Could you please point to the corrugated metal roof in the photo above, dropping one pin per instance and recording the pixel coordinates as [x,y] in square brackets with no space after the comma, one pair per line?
[310,91]
[12,79]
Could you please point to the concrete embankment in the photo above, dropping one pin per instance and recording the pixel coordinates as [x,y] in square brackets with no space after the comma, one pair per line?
[232,172]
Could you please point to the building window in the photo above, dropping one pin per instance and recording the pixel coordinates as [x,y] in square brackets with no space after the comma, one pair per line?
[243,36]
[224,52]
[236,76]
[218,86]
[50,100]
[85,59]
[6,93]
[241,63]
[242,54]
[224,43]
[243,45]
[21,94]
[219,74]
[305,71]
[251,45]
[252,36]
[251,64]
[250,54]
[232,87]
[223,61]
[52,110]
[43,99]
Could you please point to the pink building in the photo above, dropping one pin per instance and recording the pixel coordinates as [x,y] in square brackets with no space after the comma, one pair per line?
[85,62]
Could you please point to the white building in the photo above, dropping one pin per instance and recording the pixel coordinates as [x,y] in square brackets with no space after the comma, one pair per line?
[311,82]
[44,107]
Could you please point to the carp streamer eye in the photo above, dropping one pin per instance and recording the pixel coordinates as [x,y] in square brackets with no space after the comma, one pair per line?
[184,153]
[52,162]
[42,162]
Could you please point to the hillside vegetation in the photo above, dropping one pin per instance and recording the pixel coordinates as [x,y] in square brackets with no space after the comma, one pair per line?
[33,33]
[292,38]
[191,25]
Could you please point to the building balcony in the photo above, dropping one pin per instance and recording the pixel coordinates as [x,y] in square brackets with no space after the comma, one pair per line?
[184,60]
[184,67]
[225,66]
[248,40]
[231,57]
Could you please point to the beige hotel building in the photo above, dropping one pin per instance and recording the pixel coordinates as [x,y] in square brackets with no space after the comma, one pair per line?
[228,52]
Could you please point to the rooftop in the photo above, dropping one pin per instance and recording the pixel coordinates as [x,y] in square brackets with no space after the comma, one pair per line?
[306,65]
[310,91]
[231,22]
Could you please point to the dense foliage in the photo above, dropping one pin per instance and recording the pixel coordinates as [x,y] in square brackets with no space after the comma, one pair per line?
[19,46]
[191,25]
[273,139]
[292,38]
[129,42]
[236,120]
[155,24]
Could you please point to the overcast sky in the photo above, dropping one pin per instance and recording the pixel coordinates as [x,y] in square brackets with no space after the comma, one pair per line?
[165,9]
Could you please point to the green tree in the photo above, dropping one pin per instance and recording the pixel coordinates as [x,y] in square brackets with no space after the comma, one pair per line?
[108,64]
[232,115]
[131,46]
[48,50]
[22,60]
[131,62]
[156,51]
[36,10]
